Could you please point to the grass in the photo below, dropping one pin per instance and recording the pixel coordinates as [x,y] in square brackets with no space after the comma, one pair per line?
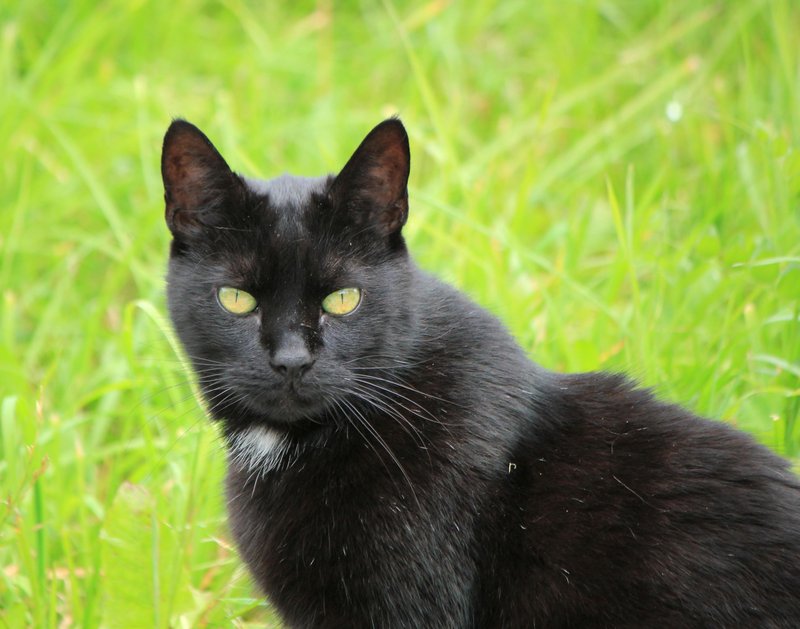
[618,180]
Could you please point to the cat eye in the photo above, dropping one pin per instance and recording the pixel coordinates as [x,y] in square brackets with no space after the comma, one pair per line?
[342,302]
[235,300]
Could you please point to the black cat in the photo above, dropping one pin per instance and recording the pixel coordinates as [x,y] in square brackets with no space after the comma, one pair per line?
[395,460]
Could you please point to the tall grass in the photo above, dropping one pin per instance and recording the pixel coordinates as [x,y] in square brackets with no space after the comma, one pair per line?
[618,180]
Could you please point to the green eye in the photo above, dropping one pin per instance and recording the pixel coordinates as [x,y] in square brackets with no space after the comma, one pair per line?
[236,300]
[342,301]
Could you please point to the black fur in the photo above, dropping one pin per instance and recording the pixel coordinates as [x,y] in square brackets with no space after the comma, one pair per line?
[425,473]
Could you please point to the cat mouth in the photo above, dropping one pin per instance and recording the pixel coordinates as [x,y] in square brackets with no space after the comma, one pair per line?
[287,406]
[282,405]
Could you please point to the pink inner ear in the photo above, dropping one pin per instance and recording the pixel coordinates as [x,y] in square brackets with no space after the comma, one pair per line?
[186,175]
[180,167]
[388,177]
[389,192]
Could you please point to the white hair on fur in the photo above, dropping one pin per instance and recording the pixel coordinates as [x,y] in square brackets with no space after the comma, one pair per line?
[259,450]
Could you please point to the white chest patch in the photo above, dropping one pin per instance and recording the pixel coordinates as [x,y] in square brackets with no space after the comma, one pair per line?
[259,450]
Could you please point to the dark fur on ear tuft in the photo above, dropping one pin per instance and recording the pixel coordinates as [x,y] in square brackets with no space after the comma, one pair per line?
[372,187]
[196,179]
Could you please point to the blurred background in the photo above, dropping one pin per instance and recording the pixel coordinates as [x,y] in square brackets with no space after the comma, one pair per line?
[618,180]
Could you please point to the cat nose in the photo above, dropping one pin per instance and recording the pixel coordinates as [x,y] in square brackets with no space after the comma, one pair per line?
[291,358]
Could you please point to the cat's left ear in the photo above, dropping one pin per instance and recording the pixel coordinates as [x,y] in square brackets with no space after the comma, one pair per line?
[372,187]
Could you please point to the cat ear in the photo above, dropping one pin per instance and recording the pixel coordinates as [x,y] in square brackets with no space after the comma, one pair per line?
[373,184]
[197,181]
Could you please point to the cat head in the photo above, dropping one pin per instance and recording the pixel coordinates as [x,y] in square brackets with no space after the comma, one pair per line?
[285,293]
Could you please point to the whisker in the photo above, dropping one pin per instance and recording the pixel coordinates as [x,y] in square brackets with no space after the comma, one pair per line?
[397,381]
[416,409]
[376,435]
[383,404]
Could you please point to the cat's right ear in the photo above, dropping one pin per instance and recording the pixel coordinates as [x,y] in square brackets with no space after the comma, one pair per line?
[372,186]
[197,181]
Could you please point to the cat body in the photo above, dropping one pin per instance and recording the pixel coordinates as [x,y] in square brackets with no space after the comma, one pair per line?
[404,464]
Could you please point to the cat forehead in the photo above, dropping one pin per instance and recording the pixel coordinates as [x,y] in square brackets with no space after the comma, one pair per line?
[290,232]
[289,192]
